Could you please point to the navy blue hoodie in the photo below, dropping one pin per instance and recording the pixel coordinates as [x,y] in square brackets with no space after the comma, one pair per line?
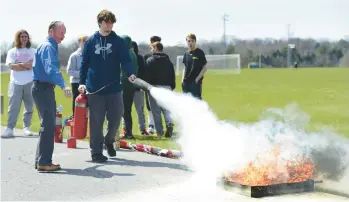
[102,59]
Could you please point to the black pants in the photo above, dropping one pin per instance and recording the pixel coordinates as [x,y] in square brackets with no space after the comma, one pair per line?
[75,91]
[127,95]
[193,88]
[101,106]
[45,102]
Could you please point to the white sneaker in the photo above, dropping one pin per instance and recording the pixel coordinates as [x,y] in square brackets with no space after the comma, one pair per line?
[27,132]
[8,133]
[151,130]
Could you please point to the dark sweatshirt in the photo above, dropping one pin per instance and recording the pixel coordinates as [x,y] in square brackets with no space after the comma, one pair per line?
[140,61]
[160,70]
[124,74]
[101,60]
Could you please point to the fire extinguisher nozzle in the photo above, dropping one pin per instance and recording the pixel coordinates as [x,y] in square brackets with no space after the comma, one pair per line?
[142,84]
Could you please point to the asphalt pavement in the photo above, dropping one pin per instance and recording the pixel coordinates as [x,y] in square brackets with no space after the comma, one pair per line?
[130,176]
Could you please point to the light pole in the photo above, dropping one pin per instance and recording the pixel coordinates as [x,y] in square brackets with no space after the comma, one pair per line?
[225,19]
[289,46]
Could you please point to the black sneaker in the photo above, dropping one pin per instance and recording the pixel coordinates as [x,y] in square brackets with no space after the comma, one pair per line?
[110,149]
[169,130]
[99,158]
[128,136]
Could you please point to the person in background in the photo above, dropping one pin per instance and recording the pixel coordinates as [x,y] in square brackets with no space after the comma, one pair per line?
[139,94]
[19,59]
[151,124]
[160,73]
[46,76]
[73,69]
[103,55]
[195,67]
[128,91]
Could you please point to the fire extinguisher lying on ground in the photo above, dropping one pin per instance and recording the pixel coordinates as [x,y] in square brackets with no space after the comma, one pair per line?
[69,133]
[80,117]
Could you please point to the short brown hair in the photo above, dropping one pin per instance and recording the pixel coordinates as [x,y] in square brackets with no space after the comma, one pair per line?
[158,46]
[155,39]
[17,42]
[191,36]
[106,16]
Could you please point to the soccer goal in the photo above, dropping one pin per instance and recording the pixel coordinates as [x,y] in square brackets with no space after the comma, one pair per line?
[221,64]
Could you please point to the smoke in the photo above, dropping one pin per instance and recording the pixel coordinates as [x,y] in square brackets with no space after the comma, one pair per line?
[212,147]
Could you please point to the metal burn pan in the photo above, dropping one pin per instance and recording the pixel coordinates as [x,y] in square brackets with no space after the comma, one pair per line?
[269,190]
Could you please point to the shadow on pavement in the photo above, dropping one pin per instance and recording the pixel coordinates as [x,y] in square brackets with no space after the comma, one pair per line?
[150,164]
[90,172]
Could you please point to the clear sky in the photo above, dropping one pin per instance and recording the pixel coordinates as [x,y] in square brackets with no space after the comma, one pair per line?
[174,19]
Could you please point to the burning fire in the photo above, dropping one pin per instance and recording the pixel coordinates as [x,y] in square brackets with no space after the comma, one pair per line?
[271,171]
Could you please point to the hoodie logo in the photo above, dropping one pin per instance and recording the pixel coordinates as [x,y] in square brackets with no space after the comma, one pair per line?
[100,48]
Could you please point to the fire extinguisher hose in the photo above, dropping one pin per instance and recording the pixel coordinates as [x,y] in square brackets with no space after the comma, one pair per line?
[109,84]
[138,82]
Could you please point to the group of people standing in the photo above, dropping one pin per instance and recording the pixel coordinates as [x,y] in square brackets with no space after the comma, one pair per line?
[104,68]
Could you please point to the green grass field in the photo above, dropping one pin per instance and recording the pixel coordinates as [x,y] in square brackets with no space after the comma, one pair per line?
[323,93]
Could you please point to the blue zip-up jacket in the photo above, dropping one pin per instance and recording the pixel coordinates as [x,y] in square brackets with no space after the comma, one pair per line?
[46,64]
[102,60]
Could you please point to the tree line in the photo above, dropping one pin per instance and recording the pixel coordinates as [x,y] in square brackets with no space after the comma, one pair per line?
[270,52]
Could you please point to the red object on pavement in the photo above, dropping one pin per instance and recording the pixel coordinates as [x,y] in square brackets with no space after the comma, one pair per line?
[125,145]
[140,147]
[71,140]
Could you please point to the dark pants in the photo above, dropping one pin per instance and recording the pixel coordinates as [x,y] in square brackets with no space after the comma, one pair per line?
[147,101]
[45,101]
[101,106]
[75,91]
[127,96]
[193,88]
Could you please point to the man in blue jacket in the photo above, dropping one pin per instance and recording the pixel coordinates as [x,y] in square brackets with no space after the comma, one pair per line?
[104,52]
[46,76]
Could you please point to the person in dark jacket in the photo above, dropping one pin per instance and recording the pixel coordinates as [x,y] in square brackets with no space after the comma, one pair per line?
[139,94]
[103,54]
[128,91]
[151,124]
[160,73]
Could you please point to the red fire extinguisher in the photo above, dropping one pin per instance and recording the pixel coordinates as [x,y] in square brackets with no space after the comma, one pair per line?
[71,141]
[58,132]
[80,117]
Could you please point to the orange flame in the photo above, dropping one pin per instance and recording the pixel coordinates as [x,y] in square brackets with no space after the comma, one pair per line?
[271,172]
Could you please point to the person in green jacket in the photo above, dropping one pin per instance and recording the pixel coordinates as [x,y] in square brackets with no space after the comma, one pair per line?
[128,91]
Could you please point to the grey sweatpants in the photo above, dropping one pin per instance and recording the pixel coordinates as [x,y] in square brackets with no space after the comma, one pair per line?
[139,104]
[101,106]
[17,94]
[138,99]
[156,111]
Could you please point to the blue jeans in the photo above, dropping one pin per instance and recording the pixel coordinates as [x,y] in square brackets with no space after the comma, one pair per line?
[193,88]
